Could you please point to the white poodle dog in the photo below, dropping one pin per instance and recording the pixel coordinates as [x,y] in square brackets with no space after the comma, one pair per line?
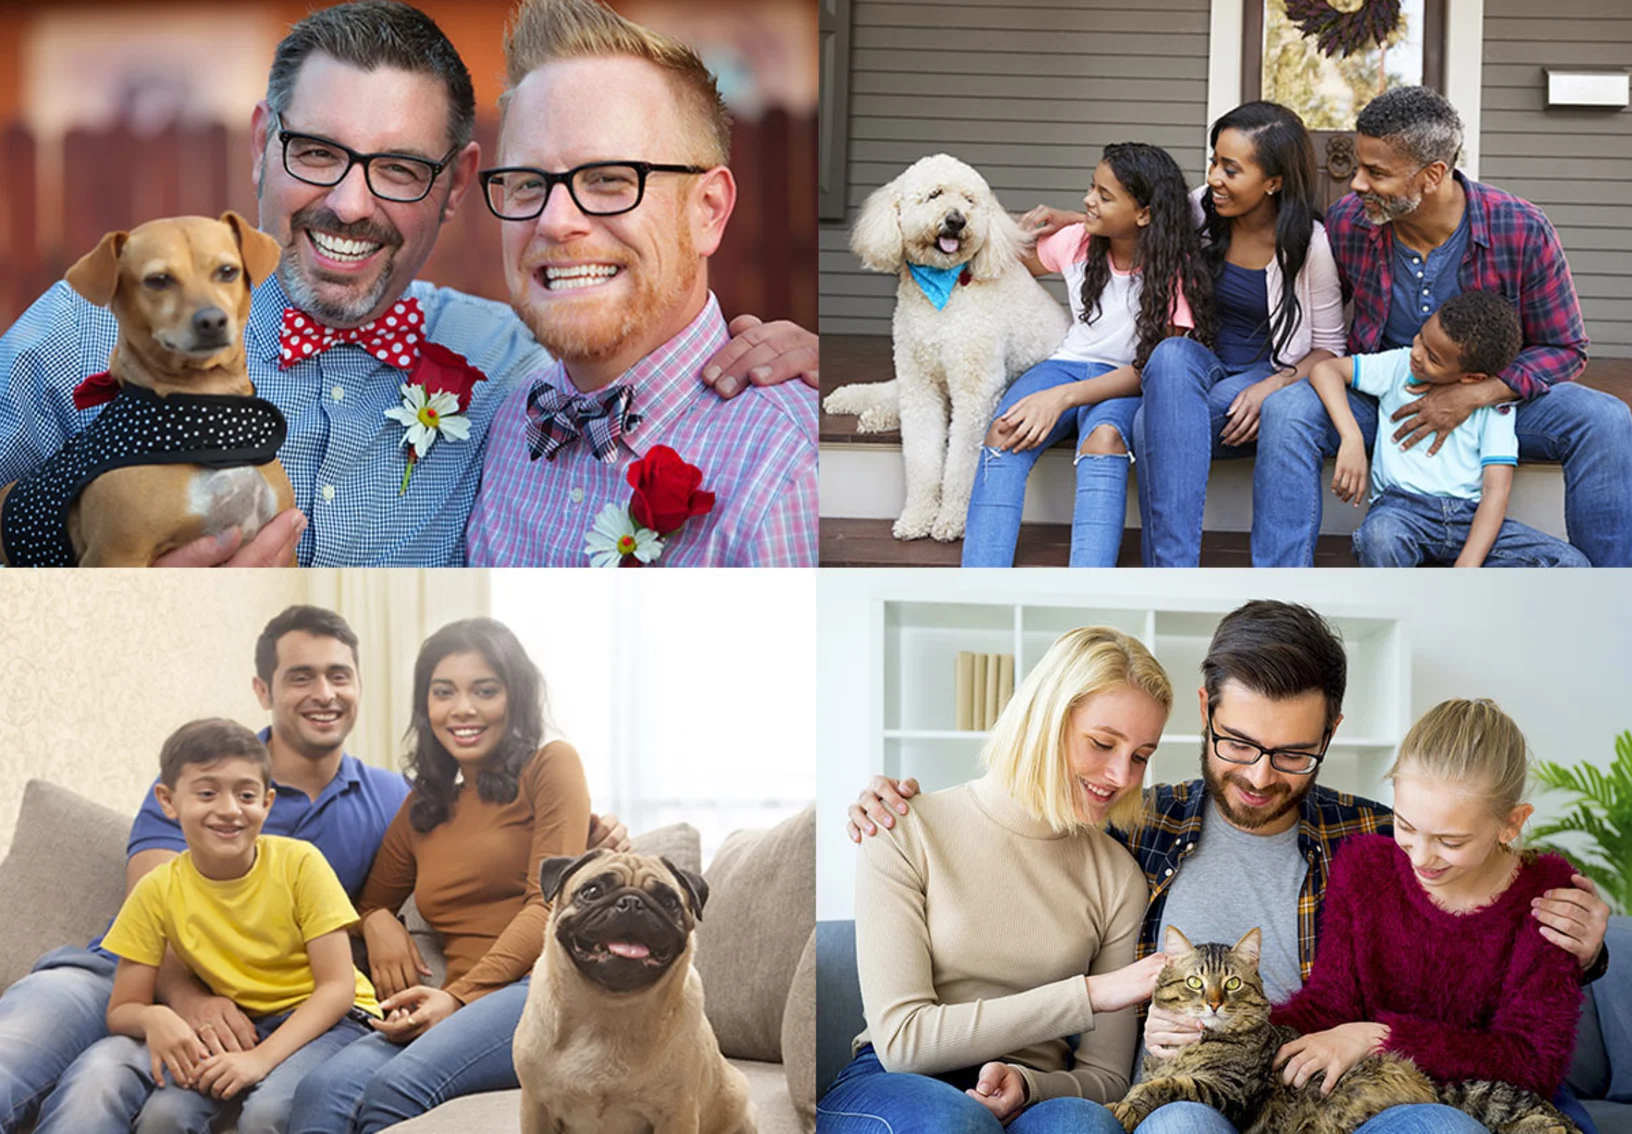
[953,358]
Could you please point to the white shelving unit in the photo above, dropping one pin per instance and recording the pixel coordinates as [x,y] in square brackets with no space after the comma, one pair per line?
[916,643]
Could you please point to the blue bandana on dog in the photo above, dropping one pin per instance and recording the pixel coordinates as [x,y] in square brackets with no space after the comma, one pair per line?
[937,283]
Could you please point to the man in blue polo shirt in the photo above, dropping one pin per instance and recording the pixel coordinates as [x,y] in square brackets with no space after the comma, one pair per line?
[306,675]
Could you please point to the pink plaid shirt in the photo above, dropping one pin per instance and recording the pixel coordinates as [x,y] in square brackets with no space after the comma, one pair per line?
[757,453]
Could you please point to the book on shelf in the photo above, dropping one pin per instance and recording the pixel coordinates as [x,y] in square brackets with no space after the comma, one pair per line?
[984,684]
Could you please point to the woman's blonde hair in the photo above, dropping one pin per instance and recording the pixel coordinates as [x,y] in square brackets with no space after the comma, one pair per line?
[1472,744]
[1027,748]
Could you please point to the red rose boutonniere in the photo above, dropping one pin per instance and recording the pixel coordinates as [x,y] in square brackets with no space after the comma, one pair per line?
[436,393]
[666,494]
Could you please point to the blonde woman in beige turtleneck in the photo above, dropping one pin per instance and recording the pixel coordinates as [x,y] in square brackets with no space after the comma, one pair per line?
[996,923]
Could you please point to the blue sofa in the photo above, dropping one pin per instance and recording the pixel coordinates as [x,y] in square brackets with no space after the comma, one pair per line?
[1601,1075]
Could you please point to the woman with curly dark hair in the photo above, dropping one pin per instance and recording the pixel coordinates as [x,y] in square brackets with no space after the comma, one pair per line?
[1280,311]
[1133,271]
[490,801]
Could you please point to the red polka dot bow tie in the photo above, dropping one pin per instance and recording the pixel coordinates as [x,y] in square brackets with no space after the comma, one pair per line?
[393,338]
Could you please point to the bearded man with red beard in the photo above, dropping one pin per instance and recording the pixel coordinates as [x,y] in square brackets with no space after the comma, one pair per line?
[613,186]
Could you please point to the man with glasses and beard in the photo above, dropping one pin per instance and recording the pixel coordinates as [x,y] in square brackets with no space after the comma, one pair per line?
[1416,231]
[362,150]
[1250,843]
[613,188]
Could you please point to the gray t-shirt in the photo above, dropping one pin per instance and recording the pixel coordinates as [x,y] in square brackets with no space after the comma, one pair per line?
[1234,881]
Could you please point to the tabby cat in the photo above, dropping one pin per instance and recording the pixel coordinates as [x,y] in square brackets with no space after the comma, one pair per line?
[1232,1069]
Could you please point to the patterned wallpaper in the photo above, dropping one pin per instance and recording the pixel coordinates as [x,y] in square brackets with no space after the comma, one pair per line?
[98,667]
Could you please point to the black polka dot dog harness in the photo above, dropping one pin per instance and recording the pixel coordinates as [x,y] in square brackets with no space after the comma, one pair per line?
[217,431]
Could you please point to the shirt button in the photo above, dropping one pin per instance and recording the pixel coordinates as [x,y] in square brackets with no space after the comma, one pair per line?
[577,495]
[1189,846]
[328,492]
[338,393]
[1168,873]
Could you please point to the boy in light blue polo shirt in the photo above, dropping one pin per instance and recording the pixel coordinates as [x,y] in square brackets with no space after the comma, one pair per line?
[1449,505]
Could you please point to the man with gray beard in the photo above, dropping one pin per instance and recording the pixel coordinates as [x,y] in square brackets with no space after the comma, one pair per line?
[1415,232]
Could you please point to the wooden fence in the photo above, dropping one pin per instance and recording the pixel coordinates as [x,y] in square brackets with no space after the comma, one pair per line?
[53,209]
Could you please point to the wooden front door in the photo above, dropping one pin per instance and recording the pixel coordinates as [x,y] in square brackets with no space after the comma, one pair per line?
[1281,64]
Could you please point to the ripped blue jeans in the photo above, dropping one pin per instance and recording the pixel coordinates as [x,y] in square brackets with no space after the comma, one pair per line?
[999,494]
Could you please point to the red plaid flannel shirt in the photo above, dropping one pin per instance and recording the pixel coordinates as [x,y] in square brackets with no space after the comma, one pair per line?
[1512,249]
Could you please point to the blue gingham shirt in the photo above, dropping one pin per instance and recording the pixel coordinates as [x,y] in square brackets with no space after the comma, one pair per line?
[344,457]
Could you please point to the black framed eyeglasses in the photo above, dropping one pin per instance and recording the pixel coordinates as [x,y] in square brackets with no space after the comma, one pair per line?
[599,188]
[1237,750]
[403,178]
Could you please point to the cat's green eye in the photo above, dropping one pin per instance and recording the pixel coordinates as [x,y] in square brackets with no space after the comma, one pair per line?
[1232,984]
[1193,982]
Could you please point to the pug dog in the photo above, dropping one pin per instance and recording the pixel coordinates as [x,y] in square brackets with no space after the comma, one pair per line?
[613,1039]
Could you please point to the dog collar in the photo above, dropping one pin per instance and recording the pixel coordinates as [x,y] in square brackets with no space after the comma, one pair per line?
[937,283]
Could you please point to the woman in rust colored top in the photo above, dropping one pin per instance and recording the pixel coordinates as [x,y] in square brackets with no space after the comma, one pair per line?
[489,803]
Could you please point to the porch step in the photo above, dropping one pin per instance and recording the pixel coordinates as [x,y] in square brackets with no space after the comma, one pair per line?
[868,543]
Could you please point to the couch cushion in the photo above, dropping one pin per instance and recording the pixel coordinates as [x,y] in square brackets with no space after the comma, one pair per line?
[838,991]
[799,1035]
[66,867]
[678,842]
[761,907]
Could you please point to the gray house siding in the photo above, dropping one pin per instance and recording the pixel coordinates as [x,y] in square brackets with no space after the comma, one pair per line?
[1574,163]
[1028,93]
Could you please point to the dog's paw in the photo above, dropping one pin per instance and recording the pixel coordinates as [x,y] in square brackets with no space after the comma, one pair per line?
[947,528]
[853,399]
[879,419]
[913,525]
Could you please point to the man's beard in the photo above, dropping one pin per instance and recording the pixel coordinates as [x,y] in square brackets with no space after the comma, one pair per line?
[1381,210]
[352,310]
[1257,817]
[596,334]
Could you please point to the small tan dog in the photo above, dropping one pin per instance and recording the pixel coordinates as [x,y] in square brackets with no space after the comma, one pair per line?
[613,1039]
[184,450]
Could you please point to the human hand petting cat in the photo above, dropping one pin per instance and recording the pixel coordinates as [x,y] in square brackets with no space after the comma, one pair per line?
[1168,1032]
[1333,1051]
[1127,986]
[1001,1089]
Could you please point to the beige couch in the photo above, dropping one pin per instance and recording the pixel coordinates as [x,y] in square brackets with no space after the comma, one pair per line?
[755,948]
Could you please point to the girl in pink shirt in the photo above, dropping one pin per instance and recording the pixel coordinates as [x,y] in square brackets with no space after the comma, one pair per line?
[1134,278]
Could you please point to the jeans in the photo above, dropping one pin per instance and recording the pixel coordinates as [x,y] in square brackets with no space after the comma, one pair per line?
[866,1099]
[46,1020]
[110,1089]
[999,493]
[1186,393]
[1589,431]
[1403,529]
[1417,1118]
[375,1083]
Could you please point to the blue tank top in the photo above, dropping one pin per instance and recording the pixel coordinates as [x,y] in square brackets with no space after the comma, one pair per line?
[1242,296]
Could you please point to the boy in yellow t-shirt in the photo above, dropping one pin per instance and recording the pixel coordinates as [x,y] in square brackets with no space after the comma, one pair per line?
[261,920]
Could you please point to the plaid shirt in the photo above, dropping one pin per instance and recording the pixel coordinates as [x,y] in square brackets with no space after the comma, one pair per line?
[344,457]
[1512,250]
[1172,822]
[757,454]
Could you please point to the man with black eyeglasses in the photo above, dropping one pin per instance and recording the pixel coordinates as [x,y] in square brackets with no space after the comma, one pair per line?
[1250,844]
[613,189]
[362,150]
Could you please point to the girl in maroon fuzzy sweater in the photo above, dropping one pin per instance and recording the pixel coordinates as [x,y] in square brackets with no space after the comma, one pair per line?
[1427,947]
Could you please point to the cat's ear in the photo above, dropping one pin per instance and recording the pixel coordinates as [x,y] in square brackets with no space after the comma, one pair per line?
[1176,944]
[1247,948]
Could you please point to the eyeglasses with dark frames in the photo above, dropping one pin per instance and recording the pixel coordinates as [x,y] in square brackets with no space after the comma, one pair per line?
[1238,750]
[402,178]
[598,188]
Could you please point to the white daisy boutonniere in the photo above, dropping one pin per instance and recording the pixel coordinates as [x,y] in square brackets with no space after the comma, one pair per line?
[615,538]
[434,399]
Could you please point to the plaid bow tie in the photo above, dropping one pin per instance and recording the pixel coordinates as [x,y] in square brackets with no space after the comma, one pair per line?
[393,338]
[556,419]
